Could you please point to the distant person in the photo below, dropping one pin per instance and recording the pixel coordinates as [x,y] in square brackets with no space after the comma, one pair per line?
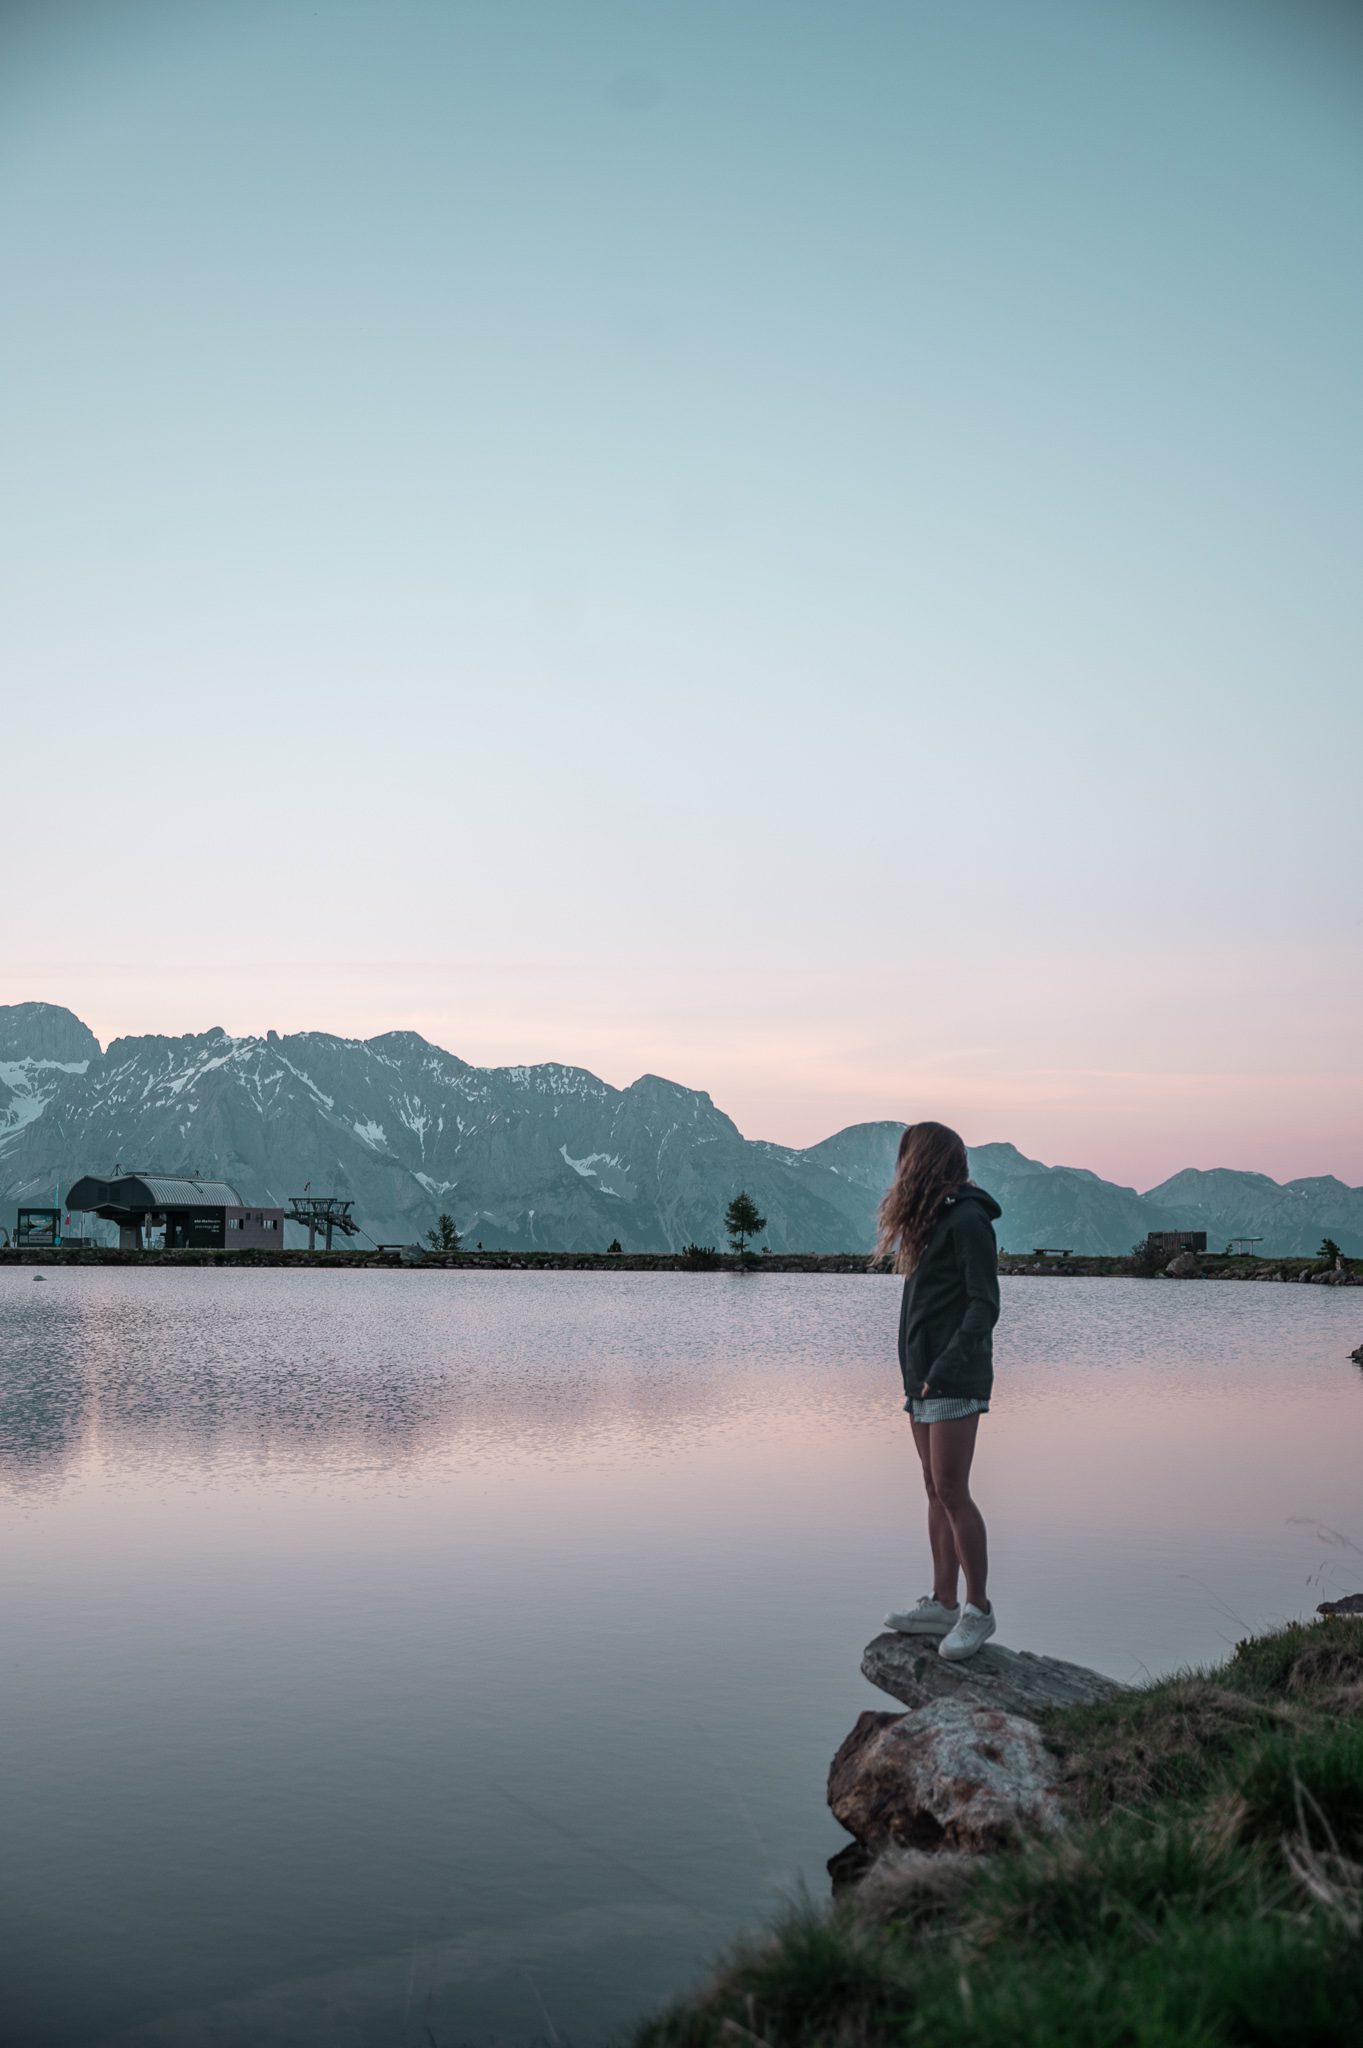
[939,1229]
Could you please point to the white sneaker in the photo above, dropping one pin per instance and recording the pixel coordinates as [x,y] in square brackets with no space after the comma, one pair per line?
[927,1618]
[971,1630]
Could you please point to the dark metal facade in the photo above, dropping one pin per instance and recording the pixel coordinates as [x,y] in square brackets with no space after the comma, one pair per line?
[193,1213]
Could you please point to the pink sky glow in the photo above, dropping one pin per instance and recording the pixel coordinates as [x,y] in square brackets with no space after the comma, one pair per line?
[788,1065]
[838,586]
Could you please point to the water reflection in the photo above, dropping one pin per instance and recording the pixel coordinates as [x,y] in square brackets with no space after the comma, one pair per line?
[47,1387]
[252,1369]
[405,1655]
[333,1367]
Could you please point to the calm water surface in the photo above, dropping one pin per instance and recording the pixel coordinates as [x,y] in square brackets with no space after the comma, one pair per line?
[437,1658]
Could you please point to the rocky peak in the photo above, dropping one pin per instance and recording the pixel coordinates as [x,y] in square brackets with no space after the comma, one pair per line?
[659,1100]
[405,1047]
[45,1032]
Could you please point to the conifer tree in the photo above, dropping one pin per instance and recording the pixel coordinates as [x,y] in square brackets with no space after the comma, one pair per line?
[742,1221]
[444,1238]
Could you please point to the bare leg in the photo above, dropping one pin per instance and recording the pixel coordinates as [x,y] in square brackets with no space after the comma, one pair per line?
[945,1563]
[950,1449]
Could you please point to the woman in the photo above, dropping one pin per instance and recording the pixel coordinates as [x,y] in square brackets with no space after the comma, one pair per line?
[939,1229]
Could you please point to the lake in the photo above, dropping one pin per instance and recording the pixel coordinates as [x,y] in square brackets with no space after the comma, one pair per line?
[448,1657]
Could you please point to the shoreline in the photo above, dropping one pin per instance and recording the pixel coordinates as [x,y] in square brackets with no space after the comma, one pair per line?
[1012,1265]
[1163,1864]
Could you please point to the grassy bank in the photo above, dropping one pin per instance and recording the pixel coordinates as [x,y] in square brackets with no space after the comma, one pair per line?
[1207,1894]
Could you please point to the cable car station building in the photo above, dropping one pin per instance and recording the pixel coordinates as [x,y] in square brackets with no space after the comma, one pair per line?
[207,1213]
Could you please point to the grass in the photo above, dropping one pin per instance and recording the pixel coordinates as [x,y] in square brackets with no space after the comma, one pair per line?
[1164,1743]
[1323,1658]
[1207,1894]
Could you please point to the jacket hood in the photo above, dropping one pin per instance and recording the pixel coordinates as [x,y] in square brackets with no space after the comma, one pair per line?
[970,1193]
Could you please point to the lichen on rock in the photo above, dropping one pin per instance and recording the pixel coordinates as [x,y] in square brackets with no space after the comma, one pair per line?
[948,1776]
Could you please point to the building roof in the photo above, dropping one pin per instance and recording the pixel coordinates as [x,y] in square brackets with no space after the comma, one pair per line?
[137,1193]
[178,1190]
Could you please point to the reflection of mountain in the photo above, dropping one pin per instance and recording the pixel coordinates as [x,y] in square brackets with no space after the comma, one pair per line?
[543,1156]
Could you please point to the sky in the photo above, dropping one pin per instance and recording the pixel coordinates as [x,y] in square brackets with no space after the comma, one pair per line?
[810,549]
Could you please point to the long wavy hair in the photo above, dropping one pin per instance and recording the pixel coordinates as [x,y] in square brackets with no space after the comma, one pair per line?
[931,1165]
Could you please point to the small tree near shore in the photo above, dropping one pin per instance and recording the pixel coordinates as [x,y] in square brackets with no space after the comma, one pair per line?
[444,1238]
[742,1221]
[1329,1252]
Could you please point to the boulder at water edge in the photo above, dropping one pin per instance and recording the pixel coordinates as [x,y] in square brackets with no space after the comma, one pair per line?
[948,1776]
[1014,1681]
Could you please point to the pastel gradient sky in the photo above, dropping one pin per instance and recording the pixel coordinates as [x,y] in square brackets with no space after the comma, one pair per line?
[812,549]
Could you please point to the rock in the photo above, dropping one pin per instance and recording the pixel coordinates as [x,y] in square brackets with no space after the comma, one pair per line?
[908,1884]
[947,1776]
[1357,1356]
[1183,1266]
[850,1868]
[1352,1603]
[908,1668]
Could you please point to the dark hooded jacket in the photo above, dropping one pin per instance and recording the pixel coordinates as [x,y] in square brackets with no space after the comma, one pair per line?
[951,1302]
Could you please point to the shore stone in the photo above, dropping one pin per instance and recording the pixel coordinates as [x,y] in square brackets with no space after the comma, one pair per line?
[1352,1603]
[849,1868]
[909,1669]
[1183,1266]
[947,1776]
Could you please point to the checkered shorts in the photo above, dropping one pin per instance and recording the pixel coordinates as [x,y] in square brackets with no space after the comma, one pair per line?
[943,1408]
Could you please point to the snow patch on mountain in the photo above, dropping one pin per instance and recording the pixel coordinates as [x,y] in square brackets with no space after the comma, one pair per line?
[26,1101]
[588,1165]
[404,1129]
[308,1082]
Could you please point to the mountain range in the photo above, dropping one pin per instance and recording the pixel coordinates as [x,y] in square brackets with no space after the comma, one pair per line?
[546,1157]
